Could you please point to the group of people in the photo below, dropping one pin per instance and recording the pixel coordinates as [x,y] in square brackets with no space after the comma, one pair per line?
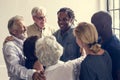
[88,51]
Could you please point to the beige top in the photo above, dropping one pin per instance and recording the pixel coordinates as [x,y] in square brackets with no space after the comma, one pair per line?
[33,30]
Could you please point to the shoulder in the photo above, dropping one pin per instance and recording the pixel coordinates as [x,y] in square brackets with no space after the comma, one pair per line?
[9,43]
[57,32]
[65,65]
[9,46]
[30,26]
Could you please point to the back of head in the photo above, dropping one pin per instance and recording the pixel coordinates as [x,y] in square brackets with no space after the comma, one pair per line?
[38,11]
[29,47]
[87,34]
[102,21]
[68,11]
[48,50]
[13,23]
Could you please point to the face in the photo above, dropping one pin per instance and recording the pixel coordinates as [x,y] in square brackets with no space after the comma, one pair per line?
[20,31]
[40,20]
[64,21]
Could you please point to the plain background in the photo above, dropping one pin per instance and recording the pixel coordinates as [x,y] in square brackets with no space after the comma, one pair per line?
[83,10]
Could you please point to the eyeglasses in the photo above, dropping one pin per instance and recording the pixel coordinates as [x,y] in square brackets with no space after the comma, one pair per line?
[40,18]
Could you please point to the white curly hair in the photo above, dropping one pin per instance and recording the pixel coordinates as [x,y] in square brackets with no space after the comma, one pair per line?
[48,50]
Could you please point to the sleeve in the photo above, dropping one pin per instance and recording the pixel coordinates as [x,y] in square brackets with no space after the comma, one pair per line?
[13,63]
[77,61]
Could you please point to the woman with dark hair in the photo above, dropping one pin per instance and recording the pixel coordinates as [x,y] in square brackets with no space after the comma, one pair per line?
[29,52]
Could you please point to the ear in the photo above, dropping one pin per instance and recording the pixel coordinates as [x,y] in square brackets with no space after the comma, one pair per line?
[72,21]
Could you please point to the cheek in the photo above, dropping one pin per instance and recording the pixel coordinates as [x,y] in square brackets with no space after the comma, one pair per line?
[79,43]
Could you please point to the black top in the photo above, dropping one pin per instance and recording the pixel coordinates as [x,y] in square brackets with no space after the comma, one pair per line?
[96,67]
[112,45]
[29,63]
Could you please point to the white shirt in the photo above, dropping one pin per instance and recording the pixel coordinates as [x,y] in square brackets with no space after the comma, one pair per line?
[63,70]
[15,60]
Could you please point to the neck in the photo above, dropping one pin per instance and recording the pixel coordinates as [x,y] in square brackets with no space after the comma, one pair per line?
[88,51]
[40,27]
[64,31]
[106,36]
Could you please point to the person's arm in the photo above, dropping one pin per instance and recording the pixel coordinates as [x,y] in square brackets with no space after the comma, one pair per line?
[38,66]
[79,60]
[12,58]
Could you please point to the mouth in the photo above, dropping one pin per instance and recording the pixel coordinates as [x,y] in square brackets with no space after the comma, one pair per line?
[61,25]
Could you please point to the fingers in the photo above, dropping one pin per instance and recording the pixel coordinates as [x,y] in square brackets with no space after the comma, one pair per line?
[8,38]
[38,76]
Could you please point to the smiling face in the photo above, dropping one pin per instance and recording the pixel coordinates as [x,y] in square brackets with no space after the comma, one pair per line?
[64,21]
[20,31]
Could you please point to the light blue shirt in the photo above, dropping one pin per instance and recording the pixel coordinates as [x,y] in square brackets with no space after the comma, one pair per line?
[14,58]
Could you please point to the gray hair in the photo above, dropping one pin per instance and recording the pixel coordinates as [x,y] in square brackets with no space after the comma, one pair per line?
[12,23]
[48,50]
[38,10]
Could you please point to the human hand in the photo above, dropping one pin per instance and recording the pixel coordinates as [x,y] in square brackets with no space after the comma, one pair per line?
[8,38]
[38,66]
[39,76]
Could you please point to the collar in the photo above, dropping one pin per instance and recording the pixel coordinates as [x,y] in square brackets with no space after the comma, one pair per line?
[37,27]
[67,32]
[19,41]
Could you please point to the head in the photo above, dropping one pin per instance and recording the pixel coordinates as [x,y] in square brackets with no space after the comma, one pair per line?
[66,18]
[17,27]
[48,50]
[87,36]
[103,23]
[39,16]
[29,47]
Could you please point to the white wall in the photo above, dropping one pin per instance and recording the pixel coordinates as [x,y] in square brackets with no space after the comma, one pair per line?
[8,8]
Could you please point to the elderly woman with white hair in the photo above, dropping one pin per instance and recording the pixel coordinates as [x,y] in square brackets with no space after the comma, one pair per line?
[49,51]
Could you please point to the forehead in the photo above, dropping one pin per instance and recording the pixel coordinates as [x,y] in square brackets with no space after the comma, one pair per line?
[20,23]
[62,15]
[40,13]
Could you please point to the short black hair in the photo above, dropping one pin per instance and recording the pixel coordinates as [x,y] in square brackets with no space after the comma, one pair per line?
[69,12]
[102,18]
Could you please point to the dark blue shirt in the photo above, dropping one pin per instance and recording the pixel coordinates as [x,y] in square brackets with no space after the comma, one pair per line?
[96,67]
[68,41]
[112,45]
